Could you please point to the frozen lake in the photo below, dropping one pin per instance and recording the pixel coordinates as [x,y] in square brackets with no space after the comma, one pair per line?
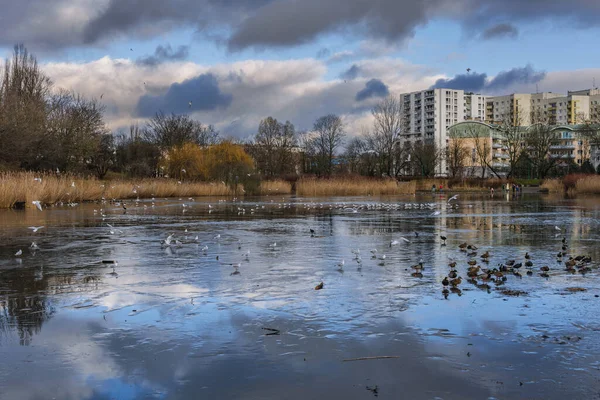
[185,320]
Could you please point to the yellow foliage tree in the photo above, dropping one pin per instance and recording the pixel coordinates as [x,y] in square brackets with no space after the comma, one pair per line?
[226,161]
[229,162]
[187,161]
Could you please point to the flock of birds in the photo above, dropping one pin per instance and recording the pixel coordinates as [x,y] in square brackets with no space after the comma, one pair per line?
[481,275]
[478,271]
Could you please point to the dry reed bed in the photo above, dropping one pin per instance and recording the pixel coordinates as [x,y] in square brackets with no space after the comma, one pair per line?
[50,189]
[275,187]
[554,185]
[352,187]
[426,184]
[588,185]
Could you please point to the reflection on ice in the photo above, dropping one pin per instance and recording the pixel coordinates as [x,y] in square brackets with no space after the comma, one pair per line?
[183,313]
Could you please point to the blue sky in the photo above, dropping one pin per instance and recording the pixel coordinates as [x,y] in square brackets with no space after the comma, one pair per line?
[289,55]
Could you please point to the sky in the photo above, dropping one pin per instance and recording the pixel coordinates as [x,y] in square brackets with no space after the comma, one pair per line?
[231,63]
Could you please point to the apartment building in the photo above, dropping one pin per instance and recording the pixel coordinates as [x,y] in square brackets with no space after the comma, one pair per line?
[428,114]
[566,148]
[523,109]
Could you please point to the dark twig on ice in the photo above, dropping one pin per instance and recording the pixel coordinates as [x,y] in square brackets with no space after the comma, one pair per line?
[370,358]
[272,331]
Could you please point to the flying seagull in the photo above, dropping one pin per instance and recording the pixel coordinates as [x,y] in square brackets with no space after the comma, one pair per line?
[453,198]
[190,104]
[38,204]
[35,228]
[468,70]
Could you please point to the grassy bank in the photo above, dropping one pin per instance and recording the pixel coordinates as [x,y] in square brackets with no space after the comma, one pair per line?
[50,189]
[353,186]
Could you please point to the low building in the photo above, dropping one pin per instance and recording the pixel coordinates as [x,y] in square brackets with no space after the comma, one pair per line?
[485,147]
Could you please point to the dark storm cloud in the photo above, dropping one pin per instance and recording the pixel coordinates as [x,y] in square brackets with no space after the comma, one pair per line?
[373,88]
[293,22]
[525,75]
[164,54]
[158,16]
[470,82]
[56,24]
[500,31]
[351,73]
[475,82]
[202,91]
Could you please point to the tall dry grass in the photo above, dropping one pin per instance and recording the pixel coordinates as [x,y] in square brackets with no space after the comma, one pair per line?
[426,184]
[352,186]
[275,187]
[554,185]
[588,185]
[50,189]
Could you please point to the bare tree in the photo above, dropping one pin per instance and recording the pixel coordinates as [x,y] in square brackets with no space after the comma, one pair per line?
[24,90]
[354,154]
[104,157]
[328,136]
[539,138]
[273,147]
[482,144]
[426,157]
[74,129]
[511,130]
[385,137]
[457,156]
[175,130]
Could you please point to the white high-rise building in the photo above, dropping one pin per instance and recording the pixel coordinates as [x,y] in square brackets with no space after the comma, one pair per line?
[429,113]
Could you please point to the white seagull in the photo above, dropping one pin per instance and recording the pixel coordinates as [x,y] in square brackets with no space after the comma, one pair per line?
[19,253]
[453,198]
[35,228]
[38,204]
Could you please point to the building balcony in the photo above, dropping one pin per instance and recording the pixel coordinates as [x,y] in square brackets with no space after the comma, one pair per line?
[500,165]
[501,155]
[499,146]
[562,156]
[563,147]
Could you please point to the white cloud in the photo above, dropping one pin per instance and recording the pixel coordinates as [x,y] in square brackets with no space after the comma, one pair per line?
[295,90]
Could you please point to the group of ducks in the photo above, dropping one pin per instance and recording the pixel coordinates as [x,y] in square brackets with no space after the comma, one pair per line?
[481,276]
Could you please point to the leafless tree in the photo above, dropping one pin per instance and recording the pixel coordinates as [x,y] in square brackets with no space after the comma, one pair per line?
[482,143]
[457,156]
[273,147]
[539,138]
[425,158]
[353,155]
[384,139]
[328,136]
[511,129]
[171,130]
[24,90]
[74,130]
